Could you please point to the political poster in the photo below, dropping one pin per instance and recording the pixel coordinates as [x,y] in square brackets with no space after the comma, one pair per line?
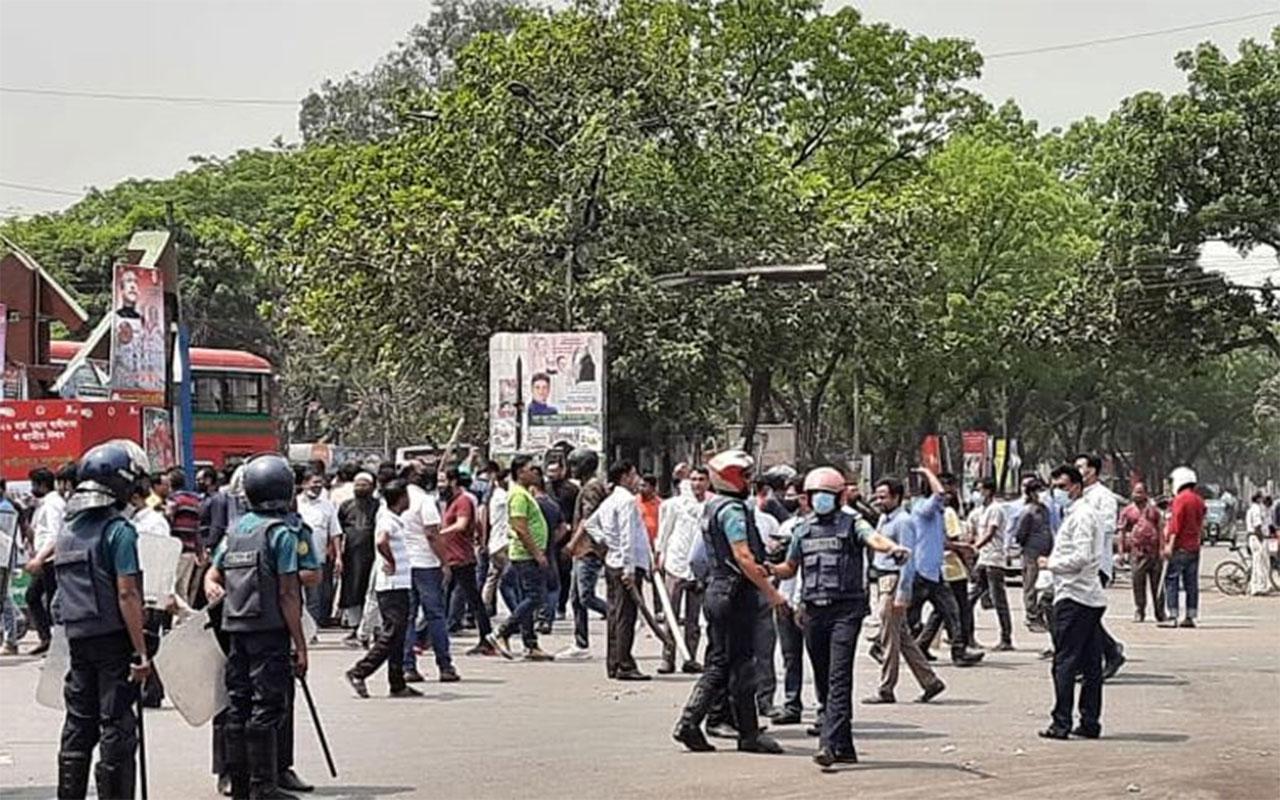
[546,390]
[931,453]
[138,335]
[157,438]
[973,445]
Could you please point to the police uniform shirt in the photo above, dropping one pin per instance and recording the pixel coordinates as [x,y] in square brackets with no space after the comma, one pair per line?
[120,546]
[733,521]
[287,548]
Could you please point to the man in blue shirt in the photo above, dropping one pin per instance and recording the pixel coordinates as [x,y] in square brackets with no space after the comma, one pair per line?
[921,579]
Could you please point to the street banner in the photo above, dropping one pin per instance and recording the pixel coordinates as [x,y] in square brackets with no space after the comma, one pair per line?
[546,389]
[974,449]
[137,335]
[157,438]
[37,433]
[1001,455]
[101,421]
[931,453]
[4,334]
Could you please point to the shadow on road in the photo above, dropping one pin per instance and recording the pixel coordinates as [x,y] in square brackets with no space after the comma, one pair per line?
[1147,738]
[361,792]
[957,701]
[867,766]
[29,792]
[1146,679]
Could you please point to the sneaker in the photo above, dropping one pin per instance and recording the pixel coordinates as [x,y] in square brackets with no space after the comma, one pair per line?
[413,676]
[632,675]
[406,691]
[1087,733]
[963,659]
[691,668]
[1168,622]
[574,653]
[357,684]
[692,738]
[482,649]
[931,692]
[826,758]
[879,699]
[449,675]
[1054,733]
[1187,623]
[722,730]
[500,643]
[537,654]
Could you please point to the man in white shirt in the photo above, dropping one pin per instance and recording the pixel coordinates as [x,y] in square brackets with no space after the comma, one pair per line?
[679,525]
[428,571]
[1255,527]
[766,630]
[989,530]
[788,618]
[1078,604]
[320,515]
[498,580]
[626,564]
[1103,502]
[392,583]
[47,522]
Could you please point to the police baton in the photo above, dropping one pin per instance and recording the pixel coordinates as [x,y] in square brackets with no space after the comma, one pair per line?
[142,746]
[315,719]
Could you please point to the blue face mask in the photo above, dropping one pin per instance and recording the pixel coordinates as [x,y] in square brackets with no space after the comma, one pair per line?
[823,503]
[1062,499]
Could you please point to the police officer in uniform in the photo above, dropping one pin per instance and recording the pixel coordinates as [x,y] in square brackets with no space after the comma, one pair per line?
[738,588]
[256,570]
[99,602]
[828,547]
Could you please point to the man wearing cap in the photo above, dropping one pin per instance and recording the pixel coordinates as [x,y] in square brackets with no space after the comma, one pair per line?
[1182,548]
[357,516]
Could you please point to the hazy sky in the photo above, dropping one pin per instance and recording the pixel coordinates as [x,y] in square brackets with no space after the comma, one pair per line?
[278,49]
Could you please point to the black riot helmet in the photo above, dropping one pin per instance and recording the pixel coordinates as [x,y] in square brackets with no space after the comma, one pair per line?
[269,483]
[107,474]
[584,463]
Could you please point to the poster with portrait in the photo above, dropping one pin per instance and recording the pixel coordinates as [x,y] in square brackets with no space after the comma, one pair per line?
[157,438]
[546,390]
[137,335]
[974,447]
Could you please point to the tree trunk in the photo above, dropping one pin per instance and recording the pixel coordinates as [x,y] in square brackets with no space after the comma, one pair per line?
[760,380]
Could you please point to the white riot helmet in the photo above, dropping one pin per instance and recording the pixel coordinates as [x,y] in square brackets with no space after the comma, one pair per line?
[1182,476]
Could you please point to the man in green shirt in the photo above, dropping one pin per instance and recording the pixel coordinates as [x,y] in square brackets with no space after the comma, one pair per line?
[528,559]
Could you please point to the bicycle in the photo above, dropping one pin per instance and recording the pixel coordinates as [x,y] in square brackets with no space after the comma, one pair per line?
[1232,577]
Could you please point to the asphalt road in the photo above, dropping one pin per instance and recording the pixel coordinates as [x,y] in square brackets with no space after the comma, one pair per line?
[1194,714]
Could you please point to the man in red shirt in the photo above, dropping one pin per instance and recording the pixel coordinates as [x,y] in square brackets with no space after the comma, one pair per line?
[458,546]
[1140,540]
[1182,548]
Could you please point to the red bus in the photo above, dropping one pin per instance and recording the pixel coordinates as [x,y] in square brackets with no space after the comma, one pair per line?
[231,402]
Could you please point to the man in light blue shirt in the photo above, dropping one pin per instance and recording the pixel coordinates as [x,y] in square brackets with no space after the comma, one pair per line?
[921,579]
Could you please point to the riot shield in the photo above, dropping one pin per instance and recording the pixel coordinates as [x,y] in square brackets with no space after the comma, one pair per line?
[192,667]
[53,671]
[158,556]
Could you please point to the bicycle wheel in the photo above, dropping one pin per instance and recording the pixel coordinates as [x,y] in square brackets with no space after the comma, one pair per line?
[1231,578]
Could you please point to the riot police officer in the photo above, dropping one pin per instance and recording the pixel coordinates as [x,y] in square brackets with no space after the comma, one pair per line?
[99,603]
[828,547]
[738,587]
[256,570]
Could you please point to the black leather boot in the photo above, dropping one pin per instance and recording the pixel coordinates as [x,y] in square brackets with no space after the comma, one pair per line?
[263,764]
[73,775]
[235,754]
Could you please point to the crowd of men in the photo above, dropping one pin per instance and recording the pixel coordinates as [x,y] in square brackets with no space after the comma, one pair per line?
[780,565]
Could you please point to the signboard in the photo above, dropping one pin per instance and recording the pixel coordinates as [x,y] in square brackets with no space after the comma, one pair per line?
[137,335]
[100,422]
[931,453]
[37,433]
[974,449]
[544,389]
[773,444]
[157,438]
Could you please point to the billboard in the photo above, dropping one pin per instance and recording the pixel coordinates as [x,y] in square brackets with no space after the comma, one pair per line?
[545,389]
[974,448]
[137,335]
[37,433]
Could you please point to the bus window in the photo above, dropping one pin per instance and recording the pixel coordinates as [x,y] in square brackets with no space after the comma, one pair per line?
[208,399]
[244,394]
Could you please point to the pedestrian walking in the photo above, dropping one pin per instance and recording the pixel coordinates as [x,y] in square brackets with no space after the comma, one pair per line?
[1182,548]
[1140,524]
